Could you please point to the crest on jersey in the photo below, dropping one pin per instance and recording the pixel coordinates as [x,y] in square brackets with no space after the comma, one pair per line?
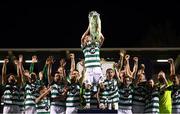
[92,50]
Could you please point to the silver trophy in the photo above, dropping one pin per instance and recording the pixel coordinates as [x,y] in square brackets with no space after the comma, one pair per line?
[95,26]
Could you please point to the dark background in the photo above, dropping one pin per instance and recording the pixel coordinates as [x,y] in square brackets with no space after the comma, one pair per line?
[41,24]
[56,25]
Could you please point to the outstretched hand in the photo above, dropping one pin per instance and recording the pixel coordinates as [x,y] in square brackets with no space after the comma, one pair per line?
[122,53]
[6,61]
[127,57]
[20,58]
[135,59]
[16,62]
[71,55]
[62,62]
[142,66]
[50,60]
[170,60]
[34,59]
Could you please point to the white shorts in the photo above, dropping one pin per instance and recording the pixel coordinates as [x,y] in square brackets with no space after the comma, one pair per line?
[112,106]
[30,110]
[57,110]
[93,75]
[7,109]
[124,111]
[72,110]
[11,109]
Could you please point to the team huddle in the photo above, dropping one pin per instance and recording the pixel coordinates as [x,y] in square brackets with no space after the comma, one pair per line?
[84,86]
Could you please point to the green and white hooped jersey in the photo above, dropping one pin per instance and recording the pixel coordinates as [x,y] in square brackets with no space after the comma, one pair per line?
[110,93]
[88,96]
[30,96]
[139,95]
[152,101]
[125,97]
[7,96]
[92,55]
[21,100]
[176,98]
[43,106]
[11,95]
[15,94]
[112,89]
[103,96]
[56,91]
[73,96]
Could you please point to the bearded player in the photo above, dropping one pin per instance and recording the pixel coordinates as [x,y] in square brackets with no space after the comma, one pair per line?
[91,42]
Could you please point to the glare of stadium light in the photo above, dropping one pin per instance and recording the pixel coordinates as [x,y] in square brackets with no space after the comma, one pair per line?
[1,61]
[28,61]
[162,60]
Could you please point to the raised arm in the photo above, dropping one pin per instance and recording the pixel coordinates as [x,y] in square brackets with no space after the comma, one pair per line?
[49,62]
[44,94]
[84,36]
[44,74]
[121,59]
[135,68]
[172,67]
[101,40]
[128,70]
[16,62]
[23,77]
[62,65]
[117,72]
[73,65]
[71,55]
[80,67]
[34,60]
[4,79]
[81,73]
[162,76]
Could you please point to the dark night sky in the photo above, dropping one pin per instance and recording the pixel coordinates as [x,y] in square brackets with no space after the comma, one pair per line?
[135,25]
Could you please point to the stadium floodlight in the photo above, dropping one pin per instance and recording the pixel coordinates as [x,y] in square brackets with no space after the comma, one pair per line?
[26,61]
[1,61]
[162,60]
[29,61]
